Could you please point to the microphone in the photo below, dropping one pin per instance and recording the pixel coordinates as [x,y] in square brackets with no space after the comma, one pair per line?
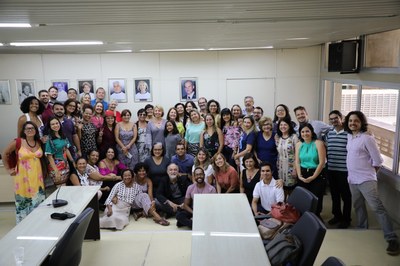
[59,202]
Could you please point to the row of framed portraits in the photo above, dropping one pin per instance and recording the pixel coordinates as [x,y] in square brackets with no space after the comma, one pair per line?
[117,89]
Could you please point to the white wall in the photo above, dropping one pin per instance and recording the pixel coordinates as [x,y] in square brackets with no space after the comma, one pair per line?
[295,73]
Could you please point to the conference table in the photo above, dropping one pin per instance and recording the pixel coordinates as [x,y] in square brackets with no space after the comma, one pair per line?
[225,232]
[39,234]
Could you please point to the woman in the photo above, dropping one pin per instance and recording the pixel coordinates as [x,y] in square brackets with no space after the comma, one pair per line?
[172,115]
[310,161]
[28,176]
[211,137]
[141,171]
[141,124]
[98,117]
[113,107]
[106,135]
[157,164]
[142,91]
[32,109]
[189,106]
[110,165]
[193,131]
[286,140]
[226,177]
[282,113]
[155,127]
[149,111]
[86,99]
[247,139]
[202,160]
[265,146]
[57,152]
[87,131]
[180,108]
[70,110]
[363,162]
[214,109]
[123,195]
[237,113]
[250,175]
[172,138]
[125,136]
[231,133]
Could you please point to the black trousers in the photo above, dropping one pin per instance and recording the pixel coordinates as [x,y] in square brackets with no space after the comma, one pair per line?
[340,191]
[168,210]
[184,218]
[317,186]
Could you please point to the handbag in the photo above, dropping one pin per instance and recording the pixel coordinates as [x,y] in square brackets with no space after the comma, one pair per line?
[268,228]
[285,212]
[13,156]
[63,168]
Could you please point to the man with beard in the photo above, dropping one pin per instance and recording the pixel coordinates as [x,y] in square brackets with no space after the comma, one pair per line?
[53,93]
[48,110]
[185,214]
[68,129]
[320,128]
[171,193]
[202,102]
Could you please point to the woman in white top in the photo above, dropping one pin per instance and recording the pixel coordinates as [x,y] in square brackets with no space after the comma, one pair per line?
[32,109]
[202,160]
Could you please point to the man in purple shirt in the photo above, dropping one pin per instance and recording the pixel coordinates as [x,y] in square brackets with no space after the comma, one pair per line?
[184,215]
[363,162]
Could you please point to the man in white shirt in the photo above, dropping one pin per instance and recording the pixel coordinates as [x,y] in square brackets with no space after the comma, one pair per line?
[266,191]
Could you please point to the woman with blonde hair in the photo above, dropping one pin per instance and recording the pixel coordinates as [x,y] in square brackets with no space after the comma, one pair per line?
[226,176]
[247,139]
[156,126]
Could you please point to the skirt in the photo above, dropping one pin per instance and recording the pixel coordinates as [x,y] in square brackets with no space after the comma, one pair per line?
[119,218]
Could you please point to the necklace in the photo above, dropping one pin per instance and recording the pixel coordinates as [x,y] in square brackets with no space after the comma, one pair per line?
[27,142]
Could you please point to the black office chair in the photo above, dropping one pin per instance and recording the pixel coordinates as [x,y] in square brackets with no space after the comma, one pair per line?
[303,200]
[68,251]
[333,261]
[311,231]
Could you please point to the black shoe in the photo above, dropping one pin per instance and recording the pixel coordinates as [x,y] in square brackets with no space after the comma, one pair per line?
[333,221]
[178,224]
[393,248]
[343,225]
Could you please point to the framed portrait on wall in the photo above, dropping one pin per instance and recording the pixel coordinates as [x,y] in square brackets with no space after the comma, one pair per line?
[86,86]
[143,90]
[25,88]
[5,92]
[188,89]
[62,87]
[117,90]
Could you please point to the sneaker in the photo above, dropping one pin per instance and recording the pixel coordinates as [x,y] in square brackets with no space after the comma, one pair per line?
[333,221]
[343,225]
[393,248]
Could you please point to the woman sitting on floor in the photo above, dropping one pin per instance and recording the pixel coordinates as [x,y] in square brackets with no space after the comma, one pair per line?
[127,193]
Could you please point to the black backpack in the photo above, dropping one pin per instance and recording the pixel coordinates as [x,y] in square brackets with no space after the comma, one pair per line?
[284,248]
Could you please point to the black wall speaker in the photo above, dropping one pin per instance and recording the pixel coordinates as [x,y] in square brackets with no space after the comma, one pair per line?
[344,57]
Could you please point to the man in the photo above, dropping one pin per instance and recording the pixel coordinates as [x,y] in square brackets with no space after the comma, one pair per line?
[202,102]
[100,94]
[72,94]
[248,105]
[190,90]
[68,129]
[266,191]
[53,93]
[117,93]
[183,160]
[184,215]
[320,128]
[170,194]
[258,112]
[48,110]
[336,141]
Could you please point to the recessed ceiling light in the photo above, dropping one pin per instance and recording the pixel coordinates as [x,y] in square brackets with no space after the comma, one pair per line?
[15,25]
[1,44]
[54,43]
[241,48]
[174,50]
[119,51]
[297,39]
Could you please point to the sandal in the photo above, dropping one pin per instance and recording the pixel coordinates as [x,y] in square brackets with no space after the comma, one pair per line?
[162,222]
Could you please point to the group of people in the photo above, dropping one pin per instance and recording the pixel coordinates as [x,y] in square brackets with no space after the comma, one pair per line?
[154,166]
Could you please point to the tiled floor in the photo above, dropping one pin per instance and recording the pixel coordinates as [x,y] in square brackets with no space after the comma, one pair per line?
[145,243]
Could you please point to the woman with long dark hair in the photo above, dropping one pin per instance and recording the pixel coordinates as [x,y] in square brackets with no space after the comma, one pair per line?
[106,135]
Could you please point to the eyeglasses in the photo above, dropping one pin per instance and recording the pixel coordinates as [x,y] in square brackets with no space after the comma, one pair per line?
[29,128]
[144,114]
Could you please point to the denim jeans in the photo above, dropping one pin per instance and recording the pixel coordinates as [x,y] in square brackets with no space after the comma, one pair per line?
[368,191]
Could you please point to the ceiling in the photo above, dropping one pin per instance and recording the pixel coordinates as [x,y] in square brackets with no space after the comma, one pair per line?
[191,24]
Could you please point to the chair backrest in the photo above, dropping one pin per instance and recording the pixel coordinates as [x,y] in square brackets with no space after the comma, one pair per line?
[333,261]
[303,200]
[68,250]
[311,232]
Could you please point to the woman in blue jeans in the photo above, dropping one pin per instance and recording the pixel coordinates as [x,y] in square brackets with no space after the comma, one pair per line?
[310,162]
